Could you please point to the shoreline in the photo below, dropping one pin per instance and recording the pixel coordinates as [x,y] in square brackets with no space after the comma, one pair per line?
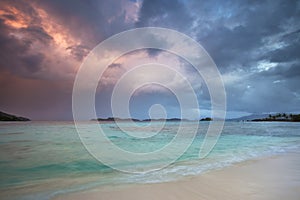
[275,177]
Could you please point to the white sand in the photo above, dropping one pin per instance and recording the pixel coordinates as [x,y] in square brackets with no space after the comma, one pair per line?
[269,179]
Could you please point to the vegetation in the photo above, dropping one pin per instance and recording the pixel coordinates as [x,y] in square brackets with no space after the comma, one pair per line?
[280,117]
[9,117]
[206,119]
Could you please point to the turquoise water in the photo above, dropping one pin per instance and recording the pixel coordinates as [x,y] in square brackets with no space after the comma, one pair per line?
[51,154]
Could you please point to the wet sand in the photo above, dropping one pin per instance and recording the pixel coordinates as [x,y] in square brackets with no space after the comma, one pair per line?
[264,179]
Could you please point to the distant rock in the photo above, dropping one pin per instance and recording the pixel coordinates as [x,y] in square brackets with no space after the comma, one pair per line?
[206,119]
[9,117]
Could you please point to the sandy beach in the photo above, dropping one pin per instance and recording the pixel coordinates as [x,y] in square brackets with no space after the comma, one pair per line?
[271,178]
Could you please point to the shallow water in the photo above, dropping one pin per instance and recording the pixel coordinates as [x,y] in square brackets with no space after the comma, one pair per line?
[41,159]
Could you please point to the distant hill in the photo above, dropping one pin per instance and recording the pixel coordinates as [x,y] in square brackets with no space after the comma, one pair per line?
[249,117]
[9,117]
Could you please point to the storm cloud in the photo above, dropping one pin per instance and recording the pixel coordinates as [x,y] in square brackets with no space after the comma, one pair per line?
[255,45]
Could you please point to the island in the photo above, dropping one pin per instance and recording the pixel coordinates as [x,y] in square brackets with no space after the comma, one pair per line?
[206,119]
[9,117]
[281,117]
[112,119]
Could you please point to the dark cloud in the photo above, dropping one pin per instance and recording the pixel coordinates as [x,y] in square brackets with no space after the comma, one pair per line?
[115,65]
[243,29]
[36,33]
[23,5]
[242,38]
[79,51]
[230,47]
[14,54]
[9,16]
[32,47]
[285,54]
[255,44]
[94,19]
[33,62]
[76,15]
[164,13]
[283,71]
[42,43]
[153,52]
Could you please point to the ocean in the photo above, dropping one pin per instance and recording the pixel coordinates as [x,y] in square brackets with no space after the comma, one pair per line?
[39,160]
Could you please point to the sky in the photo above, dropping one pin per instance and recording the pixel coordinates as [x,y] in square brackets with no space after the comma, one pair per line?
[255,45]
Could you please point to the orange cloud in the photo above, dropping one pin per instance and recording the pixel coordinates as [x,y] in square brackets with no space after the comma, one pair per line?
[62,37]
[46,36]
[14,17]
